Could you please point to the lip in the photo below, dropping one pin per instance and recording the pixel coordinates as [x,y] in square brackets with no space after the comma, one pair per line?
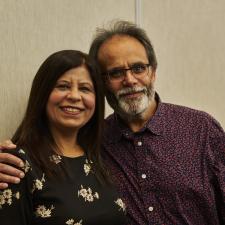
[72,110]
[131,95]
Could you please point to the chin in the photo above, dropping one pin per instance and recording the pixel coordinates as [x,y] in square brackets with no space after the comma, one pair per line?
[71,125]
[134,107]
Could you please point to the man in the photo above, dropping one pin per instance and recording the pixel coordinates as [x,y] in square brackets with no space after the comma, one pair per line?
[167,161]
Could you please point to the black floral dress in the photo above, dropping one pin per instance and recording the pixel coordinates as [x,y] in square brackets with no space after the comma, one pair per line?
[77,200]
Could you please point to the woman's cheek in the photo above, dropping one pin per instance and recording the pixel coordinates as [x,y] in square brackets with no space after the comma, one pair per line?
[89,101]
[56,96]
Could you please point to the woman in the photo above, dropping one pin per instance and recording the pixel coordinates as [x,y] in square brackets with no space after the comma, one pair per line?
[59,141]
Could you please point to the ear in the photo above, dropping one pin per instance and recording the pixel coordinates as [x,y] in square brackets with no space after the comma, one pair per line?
[153,76]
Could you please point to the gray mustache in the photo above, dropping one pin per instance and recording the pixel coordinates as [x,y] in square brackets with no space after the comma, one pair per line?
[130,90]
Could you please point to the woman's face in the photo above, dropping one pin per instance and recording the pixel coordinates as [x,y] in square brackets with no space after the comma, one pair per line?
[71,103]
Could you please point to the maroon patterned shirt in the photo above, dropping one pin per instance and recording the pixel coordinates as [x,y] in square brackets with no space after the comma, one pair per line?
[172,172]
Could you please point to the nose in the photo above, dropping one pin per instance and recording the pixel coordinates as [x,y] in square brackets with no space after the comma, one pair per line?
[129,79]
[74,94]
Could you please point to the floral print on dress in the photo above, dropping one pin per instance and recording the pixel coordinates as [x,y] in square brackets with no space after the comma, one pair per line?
[13,201]
[121,204]
[55,158]
[87,194]
[26,166]
[71,222]
[87,167]
[6,197]
[21,151]
[43,211]
[38,184]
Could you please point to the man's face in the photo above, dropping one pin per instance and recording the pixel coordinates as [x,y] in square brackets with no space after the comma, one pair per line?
[131,94]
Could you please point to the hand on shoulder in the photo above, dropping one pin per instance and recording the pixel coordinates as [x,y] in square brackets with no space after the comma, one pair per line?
[8,173]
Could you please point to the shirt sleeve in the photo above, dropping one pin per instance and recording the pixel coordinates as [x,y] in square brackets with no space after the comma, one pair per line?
[16,200]
[217,149]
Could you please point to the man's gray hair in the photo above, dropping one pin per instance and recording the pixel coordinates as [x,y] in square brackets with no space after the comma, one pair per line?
[122,28]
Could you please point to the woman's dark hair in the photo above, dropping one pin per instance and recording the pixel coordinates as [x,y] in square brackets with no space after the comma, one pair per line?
[33,133]
[124,28]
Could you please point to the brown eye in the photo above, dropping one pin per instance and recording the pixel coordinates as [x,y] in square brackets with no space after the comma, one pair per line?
[139,68]
[85,89]
[116,73]
[62,87]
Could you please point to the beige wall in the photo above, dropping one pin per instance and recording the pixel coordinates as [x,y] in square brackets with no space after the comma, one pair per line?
[188,37]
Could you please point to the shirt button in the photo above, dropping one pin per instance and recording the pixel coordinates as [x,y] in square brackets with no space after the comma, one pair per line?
[139,143]
[150,209]
[143,176]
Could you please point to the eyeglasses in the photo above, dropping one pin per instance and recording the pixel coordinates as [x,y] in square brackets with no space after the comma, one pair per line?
[138,70]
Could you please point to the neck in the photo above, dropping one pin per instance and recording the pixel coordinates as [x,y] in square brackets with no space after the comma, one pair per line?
[136,123]
[67,142]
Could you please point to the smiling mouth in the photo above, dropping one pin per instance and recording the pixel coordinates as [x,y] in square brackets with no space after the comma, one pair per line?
[72,110]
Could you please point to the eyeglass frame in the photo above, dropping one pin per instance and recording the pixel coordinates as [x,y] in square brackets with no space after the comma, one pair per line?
[124,71]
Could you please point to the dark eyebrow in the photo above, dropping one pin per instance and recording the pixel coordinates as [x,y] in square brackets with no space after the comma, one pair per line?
[116,68]
[113,69]
[132,64]
[63,81]
[137,63]
[86,83]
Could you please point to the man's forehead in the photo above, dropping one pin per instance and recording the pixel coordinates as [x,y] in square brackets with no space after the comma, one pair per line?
[121,48]
[118,41]
[109,46]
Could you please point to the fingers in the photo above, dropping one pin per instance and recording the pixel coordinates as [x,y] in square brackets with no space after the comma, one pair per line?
[9,174]
[3,186]
[7,144]
[7,158]
[8,179]
[6,172]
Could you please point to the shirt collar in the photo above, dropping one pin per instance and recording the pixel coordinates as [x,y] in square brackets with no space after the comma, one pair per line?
[116,128]
[156,123]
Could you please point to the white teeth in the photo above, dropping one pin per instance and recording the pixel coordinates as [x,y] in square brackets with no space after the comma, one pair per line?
[71,110]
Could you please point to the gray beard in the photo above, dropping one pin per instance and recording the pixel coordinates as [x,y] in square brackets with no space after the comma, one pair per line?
[131,109]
